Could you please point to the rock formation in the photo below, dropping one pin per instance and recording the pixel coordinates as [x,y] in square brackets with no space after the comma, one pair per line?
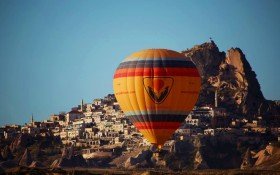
[26,158]
[6,153]
[120,161]
[8,164]
[64,153]
[268,158]
[21,141]
[2,171]
[199,162]
[247,160]
[55,163]
[220,152]
[36,164]
[182,155]
[1,158]
[68,159]
[233,78]
[143,159]
[197,142]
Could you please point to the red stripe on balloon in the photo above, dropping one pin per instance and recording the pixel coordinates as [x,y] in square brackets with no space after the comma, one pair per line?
[157,125]
[132,72]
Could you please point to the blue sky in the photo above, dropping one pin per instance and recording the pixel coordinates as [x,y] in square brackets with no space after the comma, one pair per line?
[55,53]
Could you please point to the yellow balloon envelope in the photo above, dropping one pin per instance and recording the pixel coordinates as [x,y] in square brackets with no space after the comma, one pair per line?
[156,89]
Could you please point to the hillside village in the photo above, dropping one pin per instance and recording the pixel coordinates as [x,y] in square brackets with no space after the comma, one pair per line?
[100,131]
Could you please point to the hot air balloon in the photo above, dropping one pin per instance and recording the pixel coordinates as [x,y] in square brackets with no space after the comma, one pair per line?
[156,89]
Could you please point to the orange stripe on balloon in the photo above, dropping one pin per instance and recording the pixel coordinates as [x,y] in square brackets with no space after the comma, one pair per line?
[157,125]
[131,72]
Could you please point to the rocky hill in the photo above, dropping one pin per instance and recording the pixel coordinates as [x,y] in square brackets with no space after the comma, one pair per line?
[231,75]
[268,158]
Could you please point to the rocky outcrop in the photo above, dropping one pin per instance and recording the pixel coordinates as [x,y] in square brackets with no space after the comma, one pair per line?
[54,163]
[75,161]
[26,158]
[197,142]
[120,161]
[21,141]
[8,164]
[220,152]
[6,153]
[36,164]
[2,171]
[65,153]
[143,159]
[232,77]
[1,158]
[268,158]
[68,159]
[182,154]
[199,162]
[247,160]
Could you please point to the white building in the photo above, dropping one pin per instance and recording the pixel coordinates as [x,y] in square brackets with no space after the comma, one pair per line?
[97,119]
[64,135]
[210,132]
[73,115]
[191,120]
[88,120]
[98,102]
[118,127]
[74,133]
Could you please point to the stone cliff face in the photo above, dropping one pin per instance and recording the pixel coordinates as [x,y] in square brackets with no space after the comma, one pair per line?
[26,158]
[232,77]
[268,158]
[247,160]
[199,162]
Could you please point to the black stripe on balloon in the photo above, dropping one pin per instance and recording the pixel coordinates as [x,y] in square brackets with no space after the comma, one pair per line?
[156,63]
[157,118]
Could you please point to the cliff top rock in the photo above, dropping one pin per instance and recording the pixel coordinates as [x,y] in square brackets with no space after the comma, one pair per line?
[231,75]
